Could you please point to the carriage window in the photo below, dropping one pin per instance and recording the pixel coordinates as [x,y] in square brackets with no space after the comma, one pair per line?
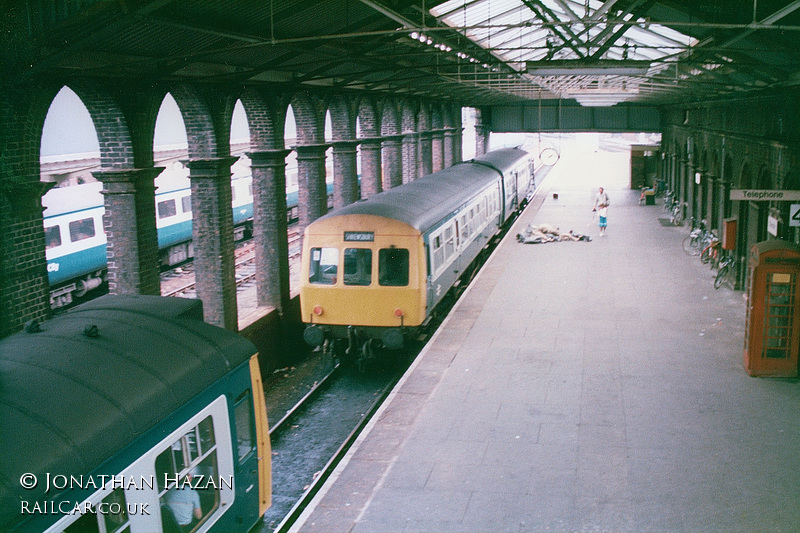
[183,471]
[323,266]
[167,208]
[87,523]
[116,517]
[449,242]
[186,204]
[245,433]
[81,229]
[393,267]
[52,237]
[357,266]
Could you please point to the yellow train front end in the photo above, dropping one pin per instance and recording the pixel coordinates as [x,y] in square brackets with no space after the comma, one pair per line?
[363,282]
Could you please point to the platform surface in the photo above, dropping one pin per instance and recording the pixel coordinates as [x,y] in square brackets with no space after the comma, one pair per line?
[579,386]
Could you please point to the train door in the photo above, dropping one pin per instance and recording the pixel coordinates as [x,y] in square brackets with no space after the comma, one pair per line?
[245,453]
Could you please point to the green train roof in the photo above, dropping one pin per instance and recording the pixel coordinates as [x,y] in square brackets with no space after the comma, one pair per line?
[69,401]
[422,203]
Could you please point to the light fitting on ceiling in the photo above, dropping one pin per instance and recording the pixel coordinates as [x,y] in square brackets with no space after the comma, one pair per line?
[602,67]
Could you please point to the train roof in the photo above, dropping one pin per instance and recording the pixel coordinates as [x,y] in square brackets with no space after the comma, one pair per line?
[422,203]
[69,401]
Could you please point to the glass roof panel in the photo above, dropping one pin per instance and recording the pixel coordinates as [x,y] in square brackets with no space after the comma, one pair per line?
[515,32]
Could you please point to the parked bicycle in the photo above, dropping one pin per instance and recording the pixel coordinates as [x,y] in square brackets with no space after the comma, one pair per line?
[726,271]
[669,201]
[676,215]
[692,244]
[710,253]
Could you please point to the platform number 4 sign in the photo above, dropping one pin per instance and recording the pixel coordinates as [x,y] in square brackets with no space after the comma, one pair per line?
[794,215]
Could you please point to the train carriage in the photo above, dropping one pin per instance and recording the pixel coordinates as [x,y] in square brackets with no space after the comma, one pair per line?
[373,272]
[115,411]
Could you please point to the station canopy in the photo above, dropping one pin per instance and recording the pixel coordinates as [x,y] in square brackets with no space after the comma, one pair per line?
[474,52]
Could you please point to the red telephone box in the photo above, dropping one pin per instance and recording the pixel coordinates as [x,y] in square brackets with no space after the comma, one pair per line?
[772,334]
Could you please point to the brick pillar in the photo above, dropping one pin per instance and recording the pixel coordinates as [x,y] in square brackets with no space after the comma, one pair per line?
[371,180]
[425,149]
[409,157]
[448,148]
[312,193]
[392,161]
[270,228]
[437,150]
[345,173]
[130,225]
[481,139]
[212,234]
[24,290]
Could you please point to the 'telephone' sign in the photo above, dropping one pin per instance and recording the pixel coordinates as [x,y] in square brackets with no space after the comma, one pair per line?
[765,195]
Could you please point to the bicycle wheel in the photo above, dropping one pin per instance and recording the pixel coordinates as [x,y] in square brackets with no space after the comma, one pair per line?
[705,255]
[690,245]
[677,216]
[722,274]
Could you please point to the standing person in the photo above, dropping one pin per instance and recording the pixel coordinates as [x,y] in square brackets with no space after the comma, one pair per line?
[601,206]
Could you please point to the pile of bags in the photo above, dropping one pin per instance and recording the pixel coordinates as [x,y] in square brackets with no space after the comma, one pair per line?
[542,233]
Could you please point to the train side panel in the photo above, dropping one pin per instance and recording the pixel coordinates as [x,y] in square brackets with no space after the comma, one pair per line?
[216,438]
[454,244]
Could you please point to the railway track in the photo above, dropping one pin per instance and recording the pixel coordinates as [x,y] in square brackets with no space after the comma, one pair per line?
[310,440]
[180,281]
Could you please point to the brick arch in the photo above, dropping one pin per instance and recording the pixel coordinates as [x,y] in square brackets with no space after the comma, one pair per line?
[436,118]
[343,118]
[23,122]
[309,116]
[714,165]
[369,119]
[424,120]
[266,119]
[390,121]
[111,125]
[408,117]
[746,180]
[201,129]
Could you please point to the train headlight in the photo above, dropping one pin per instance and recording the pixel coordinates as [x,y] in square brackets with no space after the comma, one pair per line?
[318,310]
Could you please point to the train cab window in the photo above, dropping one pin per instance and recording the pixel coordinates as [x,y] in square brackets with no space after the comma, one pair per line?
[81,229]
[357,266]
[323,266]
[186,204]
[189,461]
[245,432]
[52,237]
[167,208]
[393,267]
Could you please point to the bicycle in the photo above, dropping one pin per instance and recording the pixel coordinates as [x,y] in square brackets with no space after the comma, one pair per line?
[710,253]
[726,270]
[692,242]
[676,215]
[669,201]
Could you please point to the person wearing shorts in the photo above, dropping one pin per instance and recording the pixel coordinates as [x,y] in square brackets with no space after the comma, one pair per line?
[601,206]
[602,214]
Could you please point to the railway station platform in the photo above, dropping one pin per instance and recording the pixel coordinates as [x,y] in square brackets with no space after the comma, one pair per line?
[579,386]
